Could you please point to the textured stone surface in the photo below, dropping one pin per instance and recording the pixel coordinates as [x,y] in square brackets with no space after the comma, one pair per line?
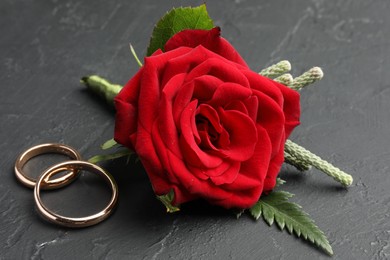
[46,46]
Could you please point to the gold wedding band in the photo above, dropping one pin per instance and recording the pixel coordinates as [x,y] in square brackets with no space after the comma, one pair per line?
[69,221]
[42,149]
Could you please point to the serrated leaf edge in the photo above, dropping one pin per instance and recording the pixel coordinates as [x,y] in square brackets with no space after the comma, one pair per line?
[260,209]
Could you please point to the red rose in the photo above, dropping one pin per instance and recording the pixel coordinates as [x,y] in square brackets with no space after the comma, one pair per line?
[204,124]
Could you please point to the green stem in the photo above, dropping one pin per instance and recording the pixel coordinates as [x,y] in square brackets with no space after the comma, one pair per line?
[311,159]
[102,87]
[111,156]
[135,55]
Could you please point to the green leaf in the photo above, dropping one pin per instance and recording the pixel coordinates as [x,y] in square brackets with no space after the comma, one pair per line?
[106,157]
[109,144]
[276,207]
[279,182]
[238,212]
[167,201]
[176,20]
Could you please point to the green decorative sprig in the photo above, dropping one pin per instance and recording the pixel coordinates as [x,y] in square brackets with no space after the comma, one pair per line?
[308,158]
[297,162]
[276,70]
[285,79]
[307,78]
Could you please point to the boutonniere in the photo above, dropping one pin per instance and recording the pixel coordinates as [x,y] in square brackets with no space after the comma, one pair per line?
[206,126]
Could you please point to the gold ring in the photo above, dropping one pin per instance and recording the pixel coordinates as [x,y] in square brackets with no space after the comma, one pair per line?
[42,149]
[69,221]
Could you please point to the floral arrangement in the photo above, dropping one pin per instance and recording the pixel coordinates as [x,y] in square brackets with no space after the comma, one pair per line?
[205,126]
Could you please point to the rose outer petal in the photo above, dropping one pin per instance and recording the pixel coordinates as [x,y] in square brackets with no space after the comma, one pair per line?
[126,104]
[150,89]
[291,107]
[274,168]
[287,98]
[210,39]
[271,117]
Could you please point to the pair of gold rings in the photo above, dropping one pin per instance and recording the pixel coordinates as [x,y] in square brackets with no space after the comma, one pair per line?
[46,181]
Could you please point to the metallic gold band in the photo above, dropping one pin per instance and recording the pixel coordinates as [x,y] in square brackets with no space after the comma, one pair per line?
[69,221]
[42,149]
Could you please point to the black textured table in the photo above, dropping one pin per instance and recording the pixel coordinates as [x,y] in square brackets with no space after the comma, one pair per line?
[47,46]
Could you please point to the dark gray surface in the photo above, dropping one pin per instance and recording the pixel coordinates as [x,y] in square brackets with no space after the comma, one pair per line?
[46,46]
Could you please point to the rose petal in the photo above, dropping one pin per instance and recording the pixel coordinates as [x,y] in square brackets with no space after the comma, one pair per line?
[242,132]
[218,68]
[253,171]
[271,117]
[162,154]
[206,173]
[287,98]
[228,92]
[182,99]
[205,86]
[210,39]
[248,106]
[228,176]
[181,195]
[264,85]
[150,86]
[184,63]
[274,168]
[237,105]
[147,154]
[190,150]
[291,107]
[224,139]
[126,103]
[197,187]
[166,124]
[242,199]
[252,105]
[211,115]
[125,123]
